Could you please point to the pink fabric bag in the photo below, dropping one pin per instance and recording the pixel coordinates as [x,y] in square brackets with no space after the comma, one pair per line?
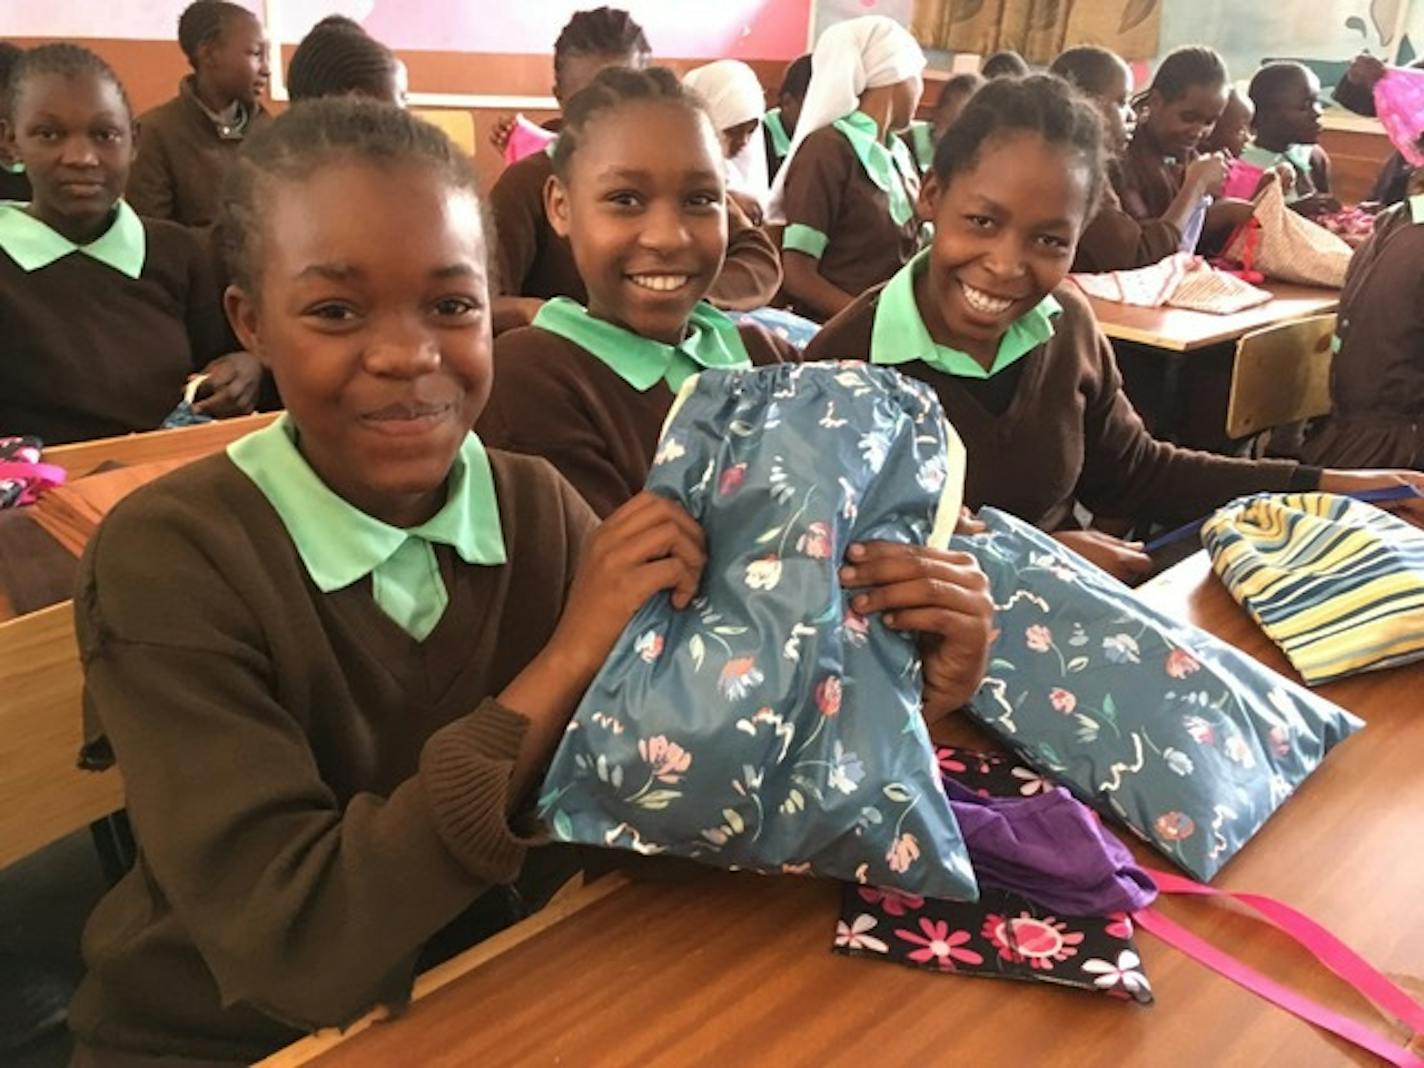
[526,139]
[1399,103]
[1242,180]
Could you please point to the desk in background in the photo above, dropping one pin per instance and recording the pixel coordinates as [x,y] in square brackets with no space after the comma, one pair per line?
[738,968]
[1181,330]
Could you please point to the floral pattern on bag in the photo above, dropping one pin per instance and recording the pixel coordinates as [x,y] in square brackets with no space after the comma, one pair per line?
[768,726]
[1190,742]
[1002,935]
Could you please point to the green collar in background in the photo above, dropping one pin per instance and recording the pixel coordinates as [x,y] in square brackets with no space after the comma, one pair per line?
[33,244]
[887,163]
[780,139]
[712,341]
[899,334]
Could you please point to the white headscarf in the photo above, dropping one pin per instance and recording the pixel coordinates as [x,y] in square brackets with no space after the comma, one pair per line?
[733,96]
[850,57]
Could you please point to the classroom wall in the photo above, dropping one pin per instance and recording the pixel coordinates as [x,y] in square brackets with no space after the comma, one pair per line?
[450,46]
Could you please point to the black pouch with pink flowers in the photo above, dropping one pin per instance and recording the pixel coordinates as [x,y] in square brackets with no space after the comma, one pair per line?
[1003,935]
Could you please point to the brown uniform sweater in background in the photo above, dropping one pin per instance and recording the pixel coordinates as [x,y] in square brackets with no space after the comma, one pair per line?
[536,262]
[1069,433]
[87,352]
[1145,183]
[181,160]
[555,399]
[314,794]
[1114,241]
[1377,377]
[828,190]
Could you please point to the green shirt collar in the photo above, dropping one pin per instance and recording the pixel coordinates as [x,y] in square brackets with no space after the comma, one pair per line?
[32,244]
[887,163]
[922,139]
[780,139]
[338,542]
[712,341]
[18,167]
[899,334]
[1416,208]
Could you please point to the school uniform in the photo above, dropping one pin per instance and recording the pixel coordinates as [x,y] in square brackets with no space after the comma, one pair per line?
[534,261]
[591,396]
[184,149]
[15,183]
[100,338]
[1048,424]
[1115,241]
[849,203]
[778,140]
[920,140]
[1377,377]
[1145,182]
[303,703]
[1309,163]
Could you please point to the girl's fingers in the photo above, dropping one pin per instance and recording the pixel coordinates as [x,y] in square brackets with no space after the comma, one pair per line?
[956,626]
[924,593]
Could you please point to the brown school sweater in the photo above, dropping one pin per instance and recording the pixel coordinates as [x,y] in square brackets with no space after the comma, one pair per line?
[314,794]
[1069,433]
[828,190]
[534,261]
[87,352]
[15,185]
[1145,183]
[1377,377]
[1114,241]
[182,157]
[555,399]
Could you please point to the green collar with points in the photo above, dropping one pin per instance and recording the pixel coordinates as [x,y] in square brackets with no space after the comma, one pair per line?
[899,334]
[712,342]
[33,245]
[339,543]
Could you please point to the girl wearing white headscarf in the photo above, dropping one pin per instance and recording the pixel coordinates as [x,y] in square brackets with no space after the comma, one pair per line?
[847,191]
[736,102]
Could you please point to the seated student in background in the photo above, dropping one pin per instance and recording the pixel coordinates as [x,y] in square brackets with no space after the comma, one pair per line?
[1232,131]
[187,144]
[779,124]
[1015,355]
[1004,64]
[846,195]
[639,191]
[103,315]
[1377,377]
[535,262]
[331,776]
[1114,240]
[13,183]
[923,136]
[735,100]
[1356,92]
[1286,130]
[1187,95]
[337,57]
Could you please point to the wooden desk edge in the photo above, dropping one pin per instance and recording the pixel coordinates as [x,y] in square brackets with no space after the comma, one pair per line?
[313,1046]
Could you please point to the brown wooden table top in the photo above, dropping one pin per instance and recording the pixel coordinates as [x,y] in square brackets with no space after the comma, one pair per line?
[737,968]
[1181,330]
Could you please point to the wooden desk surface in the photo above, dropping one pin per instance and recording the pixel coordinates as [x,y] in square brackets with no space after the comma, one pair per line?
[738,969]
[1180,330]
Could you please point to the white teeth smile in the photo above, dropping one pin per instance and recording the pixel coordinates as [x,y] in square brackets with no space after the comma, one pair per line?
[662,283]
[984,302]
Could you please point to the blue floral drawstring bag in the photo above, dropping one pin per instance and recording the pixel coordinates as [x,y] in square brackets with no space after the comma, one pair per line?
[1190,742]
[769,727]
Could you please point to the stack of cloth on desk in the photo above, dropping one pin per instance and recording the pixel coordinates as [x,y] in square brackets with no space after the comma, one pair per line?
[1179,281]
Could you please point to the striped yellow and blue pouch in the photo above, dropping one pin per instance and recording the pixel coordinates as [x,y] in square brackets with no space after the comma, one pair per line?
[1336,583]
